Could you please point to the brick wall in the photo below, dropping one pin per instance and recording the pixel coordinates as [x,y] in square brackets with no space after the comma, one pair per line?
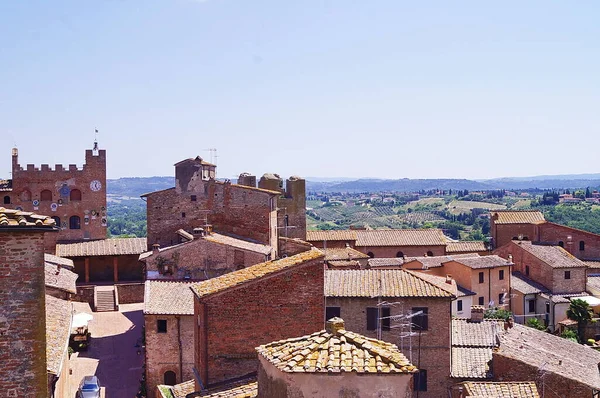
[233,322]
[434,342]
[29,182]
[200,259]
[554,233]
[22,315]
[130,293]
[163,351]
[508,369]
[408,251]
[504,233]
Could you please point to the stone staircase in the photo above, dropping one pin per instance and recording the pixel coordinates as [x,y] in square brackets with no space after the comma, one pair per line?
[104,299]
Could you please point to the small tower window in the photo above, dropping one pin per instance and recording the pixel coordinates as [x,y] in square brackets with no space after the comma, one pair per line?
[56,220]
[370,254]
[581,245]
[429,254]
[561,243]
[74,222]
[7,200]
[26,195]
[400,254]
[75,195]
[170,378]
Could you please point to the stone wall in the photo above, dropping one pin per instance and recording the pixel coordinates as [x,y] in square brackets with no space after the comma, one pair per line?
[22,315]
[130,293]
[233,322]
[408,251]
[555,233]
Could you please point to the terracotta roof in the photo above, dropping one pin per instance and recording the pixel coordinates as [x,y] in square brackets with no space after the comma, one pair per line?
[555,354]
[239,243]
[17,219]
[521,283]
[246,388]
[346,253]
[343,263]
[5,185]
[55,260]
[554,256]
[246,275]
[103,247]
[475,334]
[400,237]
[335,350]
[482,262]
[58,330]
[346,235]
[465,247]
[168,298]
[517,216]
[184,234]
[437,261]
[592,263]
[513,389]
[442,282]
[594,281]
[384,283]
[386,262]
[470,362]
[60,278]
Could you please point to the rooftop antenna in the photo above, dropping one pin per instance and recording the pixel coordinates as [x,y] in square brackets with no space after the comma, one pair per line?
[213,155]
[95,141]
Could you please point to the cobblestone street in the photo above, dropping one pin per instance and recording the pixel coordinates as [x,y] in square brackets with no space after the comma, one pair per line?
[113,355]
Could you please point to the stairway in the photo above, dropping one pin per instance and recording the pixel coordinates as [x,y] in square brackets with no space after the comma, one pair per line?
[104,298]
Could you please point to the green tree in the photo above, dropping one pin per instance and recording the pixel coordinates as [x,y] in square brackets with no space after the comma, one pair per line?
[580,312]
[535,323]
[569,335]
[497,313]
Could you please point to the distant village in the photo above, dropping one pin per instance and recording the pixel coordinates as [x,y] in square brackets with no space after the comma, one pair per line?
[239,298]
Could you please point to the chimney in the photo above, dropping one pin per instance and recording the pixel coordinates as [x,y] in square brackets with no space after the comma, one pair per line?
[155,248]
[508,324]
[477,313]
[449,279]
[334,325]
[510,258]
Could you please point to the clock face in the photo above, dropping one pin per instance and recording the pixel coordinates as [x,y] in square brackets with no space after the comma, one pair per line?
[95,185]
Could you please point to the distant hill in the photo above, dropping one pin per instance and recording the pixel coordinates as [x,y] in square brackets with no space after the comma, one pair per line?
[403,185]
[136,186]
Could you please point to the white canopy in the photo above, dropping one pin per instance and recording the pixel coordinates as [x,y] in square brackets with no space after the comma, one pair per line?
[81,319]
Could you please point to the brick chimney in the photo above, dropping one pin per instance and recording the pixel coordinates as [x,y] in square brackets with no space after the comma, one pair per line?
[334,325]
[155,248]
[477,313]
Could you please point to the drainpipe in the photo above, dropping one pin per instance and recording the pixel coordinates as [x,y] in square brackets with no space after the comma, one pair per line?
[490,287]
[180,350]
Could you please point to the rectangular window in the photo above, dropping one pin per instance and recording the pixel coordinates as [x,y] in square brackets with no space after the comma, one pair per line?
[501,274]
[459,305]
[385,318]
[193,198]
[332,312]
[481,277]
[420,380]
[161,326]
[371,318]
[421,321]
[183,215]
[500,298]
[567,274]
[531,305]
[527,270]
[480,300]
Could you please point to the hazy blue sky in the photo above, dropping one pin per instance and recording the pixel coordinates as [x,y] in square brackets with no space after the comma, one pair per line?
[317,88]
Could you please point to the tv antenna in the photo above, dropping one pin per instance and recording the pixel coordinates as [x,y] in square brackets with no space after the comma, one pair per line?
[213,155]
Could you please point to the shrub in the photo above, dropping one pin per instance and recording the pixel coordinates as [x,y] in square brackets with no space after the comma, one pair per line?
[535,323]
[497,313]
[569,335]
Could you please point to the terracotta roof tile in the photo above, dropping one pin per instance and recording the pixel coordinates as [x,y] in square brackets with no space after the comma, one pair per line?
[335,350]
[239,243]
[55,260]
[594,281]
[400,237]
[246,275]
[346,253]
[525,285]
[482,262]
[5,185]
[103,247]
[514,389]
[343,263]
[592,263]
[470,362]
[58,330]
[384,283]
[465,247]
[23,219]
[517,216]
[246,388]
[554,256]
[60,278]
[386,262]
[437,261]
[475,334]
[345,235]
[168,298]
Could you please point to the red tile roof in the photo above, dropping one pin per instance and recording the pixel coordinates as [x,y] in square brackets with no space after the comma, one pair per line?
[400,237]
[517,216]
[465,247]
[103,247]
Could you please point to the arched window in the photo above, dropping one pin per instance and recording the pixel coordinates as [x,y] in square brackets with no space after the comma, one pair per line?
[170,378]
[525,238]
[561,243]
[74,222]
[56,220]
[75,195]
[7,200]
[370,254]
[26,195]
[581,245]
[430,254]
[46,196]
[400,254]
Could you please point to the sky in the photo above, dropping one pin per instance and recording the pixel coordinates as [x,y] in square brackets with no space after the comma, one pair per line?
[386,89]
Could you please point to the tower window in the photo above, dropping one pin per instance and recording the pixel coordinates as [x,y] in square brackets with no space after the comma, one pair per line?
[46,196]
[75,195]
[581,245]
[7,200]
[74,222]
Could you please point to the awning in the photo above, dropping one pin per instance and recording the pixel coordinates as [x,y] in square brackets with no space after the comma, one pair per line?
[591,300]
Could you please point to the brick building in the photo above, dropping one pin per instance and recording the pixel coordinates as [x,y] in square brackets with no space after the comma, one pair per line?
[240,310]
[204,256]
[74,197]
[366,299]
[169,328]
[22,293]
[261,213]
[334,362]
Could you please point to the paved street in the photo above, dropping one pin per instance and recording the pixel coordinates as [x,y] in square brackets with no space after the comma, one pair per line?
[112,355]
